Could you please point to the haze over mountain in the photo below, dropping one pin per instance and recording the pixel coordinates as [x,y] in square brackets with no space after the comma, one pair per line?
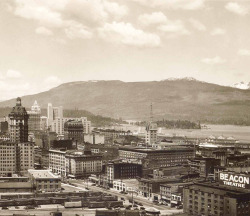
[187,99]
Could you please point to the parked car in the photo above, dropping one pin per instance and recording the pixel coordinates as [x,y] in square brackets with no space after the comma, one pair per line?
[29,207]
[5,208]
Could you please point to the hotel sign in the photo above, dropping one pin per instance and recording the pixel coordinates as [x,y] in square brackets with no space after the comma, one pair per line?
[234,180]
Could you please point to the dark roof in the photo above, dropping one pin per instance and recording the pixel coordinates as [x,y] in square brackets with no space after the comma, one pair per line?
[18,110]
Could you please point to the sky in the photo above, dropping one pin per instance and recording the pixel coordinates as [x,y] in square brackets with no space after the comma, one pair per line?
[44,43]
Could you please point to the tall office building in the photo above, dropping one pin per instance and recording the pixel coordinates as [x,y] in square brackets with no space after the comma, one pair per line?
[73,130]
[18,123]
[151,130]
[43,123]
[34,121]
[54,113]
[16,158]
[151,133]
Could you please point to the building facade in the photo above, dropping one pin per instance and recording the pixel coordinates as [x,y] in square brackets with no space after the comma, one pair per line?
[53,113]
[214,199]
[18,121]
[73,130]
[16,158]
[45,181]
[122,170]
[57,125]
[83,164]
[57,162]
[204,166]
[77,164]
[34,121]
[154,159]
[151,134]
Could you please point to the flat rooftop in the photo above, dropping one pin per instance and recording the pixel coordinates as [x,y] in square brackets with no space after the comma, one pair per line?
[215,185]
[43,174]
[153,150]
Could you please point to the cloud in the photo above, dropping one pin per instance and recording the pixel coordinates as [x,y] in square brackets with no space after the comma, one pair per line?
[173,4]
[218,31]
[13,74]
[236,8]
[77,30]
[126,33]
[174,27]
[116,10]
[213,61]
[41,11]
[43,31]
[244,52]
[71,16]
[197,24]
[152,19]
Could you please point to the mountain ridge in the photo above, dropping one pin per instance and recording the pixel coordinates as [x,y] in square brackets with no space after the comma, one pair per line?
[181,98]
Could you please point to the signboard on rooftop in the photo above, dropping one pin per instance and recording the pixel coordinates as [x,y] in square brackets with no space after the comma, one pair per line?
[234,180]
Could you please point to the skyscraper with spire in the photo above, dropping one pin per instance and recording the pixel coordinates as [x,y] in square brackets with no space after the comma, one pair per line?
[34,121]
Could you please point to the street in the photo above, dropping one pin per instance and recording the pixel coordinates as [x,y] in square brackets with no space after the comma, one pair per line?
[146,203]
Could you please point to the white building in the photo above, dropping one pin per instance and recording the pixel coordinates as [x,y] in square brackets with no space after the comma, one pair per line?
[94,138]
[126,185]
[57,162]
[57,125]
[53,113]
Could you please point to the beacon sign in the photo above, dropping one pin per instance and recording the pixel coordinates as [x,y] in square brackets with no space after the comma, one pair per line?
[234,180]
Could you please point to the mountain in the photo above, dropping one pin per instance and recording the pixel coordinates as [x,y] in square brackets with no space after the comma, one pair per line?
[241,85]
[184,99]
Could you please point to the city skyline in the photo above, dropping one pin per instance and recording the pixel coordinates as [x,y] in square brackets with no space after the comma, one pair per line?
[45,44]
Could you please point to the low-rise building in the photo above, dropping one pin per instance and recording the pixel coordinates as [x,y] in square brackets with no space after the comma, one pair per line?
[126,185]
[169,171]
[172,194]
[45,180]
[204,166]
[150,188]
[15,185]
